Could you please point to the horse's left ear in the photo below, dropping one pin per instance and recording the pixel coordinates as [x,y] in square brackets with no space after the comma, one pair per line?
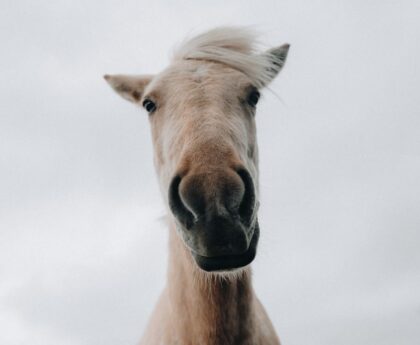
[277,58]
[130,87]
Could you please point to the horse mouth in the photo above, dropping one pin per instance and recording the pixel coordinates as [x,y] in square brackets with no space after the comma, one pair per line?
[229,262]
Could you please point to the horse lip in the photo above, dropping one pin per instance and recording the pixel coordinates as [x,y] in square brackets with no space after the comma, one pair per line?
[228,262]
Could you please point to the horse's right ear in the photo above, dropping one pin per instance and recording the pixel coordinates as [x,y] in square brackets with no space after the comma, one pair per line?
[130,87]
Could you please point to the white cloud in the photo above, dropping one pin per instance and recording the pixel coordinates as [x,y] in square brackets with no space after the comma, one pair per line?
[82,254]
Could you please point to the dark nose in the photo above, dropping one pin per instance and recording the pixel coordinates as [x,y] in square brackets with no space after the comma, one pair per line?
[216,210]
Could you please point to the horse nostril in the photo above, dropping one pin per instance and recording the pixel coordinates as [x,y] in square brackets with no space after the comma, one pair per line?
[246,208]
[177,206]
[206,196]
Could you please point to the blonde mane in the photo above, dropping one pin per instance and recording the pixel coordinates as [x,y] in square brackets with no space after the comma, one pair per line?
[235,47]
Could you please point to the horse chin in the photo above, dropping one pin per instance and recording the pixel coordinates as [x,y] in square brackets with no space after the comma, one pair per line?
[229,263]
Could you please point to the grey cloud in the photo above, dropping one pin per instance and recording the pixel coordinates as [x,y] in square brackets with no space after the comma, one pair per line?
[82,257]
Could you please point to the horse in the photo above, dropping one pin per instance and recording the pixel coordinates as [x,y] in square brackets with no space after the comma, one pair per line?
[202,117]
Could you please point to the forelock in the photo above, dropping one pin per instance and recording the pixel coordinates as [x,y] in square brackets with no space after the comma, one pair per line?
[235,47]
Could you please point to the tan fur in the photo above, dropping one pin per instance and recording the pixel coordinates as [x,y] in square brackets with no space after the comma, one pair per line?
[203,128]
[198,308]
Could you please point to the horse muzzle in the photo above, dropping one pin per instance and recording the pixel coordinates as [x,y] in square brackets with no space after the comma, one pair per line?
[215,213]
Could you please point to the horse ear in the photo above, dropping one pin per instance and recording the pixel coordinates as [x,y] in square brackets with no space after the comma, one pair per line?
[277,58]
[130,87]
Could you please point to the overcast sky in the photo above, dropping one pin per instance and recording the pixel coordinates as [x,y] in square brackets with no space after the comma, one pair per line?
[82,241]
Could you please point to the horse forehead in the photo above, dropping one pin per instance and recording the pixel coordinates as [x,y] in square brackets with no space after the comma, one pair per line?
[200,72]
[205,74]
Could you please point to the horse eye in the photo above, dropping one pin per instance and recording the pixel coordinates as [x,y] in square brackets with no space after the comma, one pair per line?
[253,98]
[149,105]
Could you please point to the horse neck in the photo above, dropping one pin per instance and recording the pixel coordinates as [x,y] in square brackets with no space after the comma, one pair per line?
[207,309]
